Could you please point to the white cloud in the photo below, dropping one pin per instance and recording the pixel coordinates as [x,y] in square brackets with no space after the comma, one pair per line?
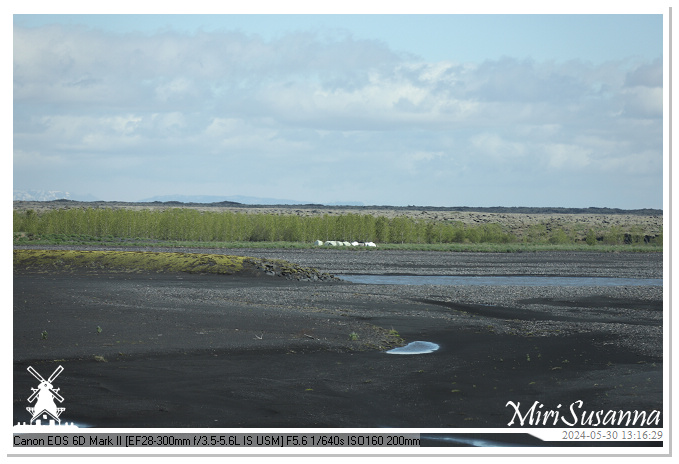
[646,74]
[30,159]
[567,157]
[497,149]
[179,87]
[302,100]
[643,102]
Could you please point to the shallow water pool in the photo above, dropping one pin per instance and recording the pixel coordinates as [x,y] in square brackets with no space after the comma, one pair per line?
[528,281]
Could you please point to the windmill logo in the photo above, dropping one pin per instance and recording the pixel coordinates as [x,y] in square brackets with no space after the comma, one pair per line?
[44,397]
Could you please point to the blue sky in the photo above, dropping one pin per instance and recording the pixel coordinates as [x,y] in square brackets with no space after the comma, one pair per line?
[433,37]
[430,110]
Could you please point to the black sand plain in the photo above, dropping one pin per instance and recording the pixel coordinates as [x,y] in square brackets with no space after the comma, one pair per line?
[183,350]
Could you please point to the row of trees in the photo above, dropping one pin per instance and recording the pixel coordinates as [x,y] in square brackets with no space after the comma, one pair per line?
[193,225]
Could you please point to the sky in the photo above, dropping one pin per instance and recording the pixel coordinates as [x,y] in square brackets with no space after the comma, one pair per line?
[562,110]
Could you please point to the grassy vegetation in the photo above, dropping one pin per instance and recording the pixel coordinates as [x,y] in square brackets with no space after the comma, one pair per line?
[130,261]
[137,261]
[192,228]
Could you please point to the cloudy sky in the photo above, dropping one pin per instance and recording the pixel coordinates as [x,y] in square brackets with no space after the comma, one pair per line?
[429,110]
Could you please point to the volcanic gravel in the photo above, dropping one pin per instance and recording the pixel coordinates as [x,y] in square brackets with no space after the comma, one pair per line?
[632,313]
[380,262]
[601,344]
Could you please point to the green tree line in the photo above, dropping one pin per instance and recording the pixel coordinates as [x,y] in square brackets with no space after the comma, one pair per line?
[192,225]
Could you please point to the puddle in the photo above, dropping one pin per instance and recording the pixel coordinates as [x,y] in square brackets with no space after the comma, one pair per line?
[528,281]
[415,348]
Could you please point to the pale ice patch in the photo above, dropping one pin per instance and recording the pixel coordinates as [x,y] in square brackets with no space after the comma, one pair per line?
[418,347]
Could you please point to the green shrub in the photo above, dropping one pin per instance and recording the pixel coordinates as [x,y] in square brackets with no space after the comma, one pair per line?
[614,236]
[590,239]
[559,237]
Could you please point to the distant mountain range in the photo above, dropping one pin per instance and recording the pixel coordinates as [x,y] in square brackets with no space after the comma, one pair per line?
[217,199]
[51,195]
[245,200]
